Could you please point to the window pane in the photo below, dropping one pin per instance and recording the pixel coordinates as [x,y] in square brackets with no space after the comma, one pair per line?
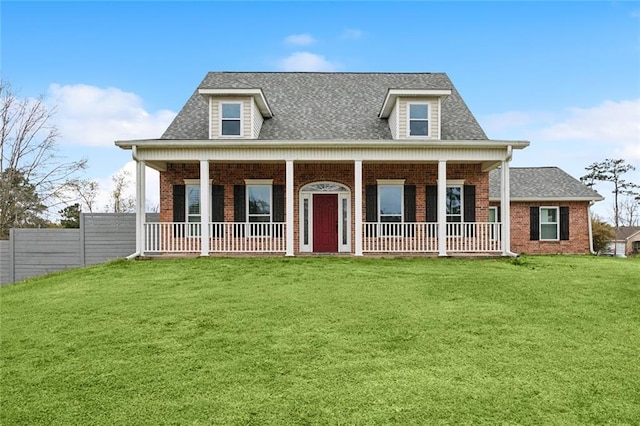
[231,127]
[306,221]
[194,218]
[344,221]
[193,199]
[492,215]
[549,231]
[390,200]
[548,215]
[418,128]
[390,219]
[454,200]
[258,219]
[259,200]
[418,111]
[230,110]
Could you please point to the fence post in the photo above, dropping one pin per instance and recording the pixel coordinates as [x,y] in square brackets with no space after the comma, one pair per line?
[82,241]
[12,257]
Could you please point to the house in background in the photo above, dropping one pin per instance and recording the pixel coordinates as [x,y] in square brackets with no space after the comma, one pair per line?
[355,163]
[627,242]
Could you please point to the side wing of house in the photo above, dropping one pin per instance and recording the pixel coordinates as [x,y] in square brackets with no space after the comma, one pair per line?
[550,211]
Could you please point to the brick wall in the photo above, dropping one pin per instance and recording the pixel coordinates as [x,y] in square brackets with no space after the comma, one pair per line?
[578,229]
[228,174]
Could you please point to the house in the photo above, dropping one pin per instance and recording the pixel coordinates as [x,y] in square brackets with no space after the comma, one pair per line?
[627,242]
[549,210]
[353,163]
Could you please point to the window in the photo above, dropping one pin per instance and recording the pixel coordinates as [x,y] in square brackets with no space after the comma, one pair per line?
[230,119]
[390,209]
[636,246]
[454,210]
[548,223]
[193,210]
[418,119]
[259,209]
[493,220]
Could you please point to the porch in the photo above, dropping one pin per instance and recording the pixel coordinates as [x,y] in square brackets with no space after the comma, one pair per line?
[248,238]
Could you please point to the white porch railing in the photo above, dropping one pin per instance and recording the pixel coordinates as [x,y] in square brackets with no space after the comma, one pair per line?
[181,237]
[423,237]
[400,237]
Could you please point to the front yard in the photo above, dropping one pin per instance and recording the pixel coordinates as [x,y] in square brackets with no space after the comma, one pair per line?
[325,341]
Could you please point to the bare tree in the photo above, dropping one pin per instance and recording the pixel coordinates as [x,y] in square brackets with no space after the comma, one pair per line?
[120,202]
[630,212]
[28,149]
[85,191]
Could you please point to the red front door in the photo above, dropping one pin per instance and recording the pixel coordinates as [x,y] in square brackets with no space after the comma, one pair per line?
[325,223]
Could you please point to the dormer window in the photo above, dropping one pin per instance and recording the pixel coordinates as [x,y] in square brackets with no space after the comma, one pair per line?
[418,119]
[231,118]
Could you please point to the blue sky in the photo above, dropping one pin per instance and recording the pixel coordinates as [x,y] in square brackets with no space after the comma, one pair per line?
[564,75]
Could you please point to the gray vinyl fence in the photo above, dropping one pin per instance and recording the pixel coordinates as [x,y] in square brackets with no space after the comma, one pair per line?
[101,237]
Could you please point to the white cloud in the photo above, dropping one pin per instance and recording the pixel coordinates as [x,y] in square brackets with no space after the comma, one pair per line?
[613,124]
[351,34]
[300,39]
[93,116]
[305,61]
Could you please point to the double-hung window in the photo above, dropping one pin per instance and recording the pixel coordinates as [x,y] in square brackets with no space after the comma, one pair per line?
[231,118]
[549,223]
[390,209]
[259,209]
[418,119]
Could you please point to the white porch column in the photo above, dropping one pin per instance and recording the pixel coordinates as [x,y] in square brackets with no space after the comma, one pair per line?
[140,205]
[505,208]
[442,208]
[205,207]
[357,208]
[289,207]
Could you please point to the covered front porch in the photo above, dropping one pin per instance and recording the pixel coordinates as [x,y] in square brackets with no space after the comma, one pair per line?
[322,211]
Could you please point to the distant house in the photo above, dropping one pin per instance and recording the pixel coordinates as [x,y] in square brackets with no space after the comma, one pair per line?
[354,163]
[627,242]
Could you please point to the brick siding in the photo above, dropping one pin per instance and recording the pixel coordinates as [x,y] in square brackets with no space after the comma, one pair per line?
[578,242]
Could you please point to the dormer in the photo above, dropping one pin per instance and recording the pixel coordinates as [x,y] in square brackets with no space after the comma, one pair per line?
[414,113]
[236,113]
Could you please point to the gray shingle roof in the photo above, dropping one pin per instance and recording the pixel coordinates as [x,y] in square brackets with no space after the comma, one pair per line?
[550,183]
[624,232]
[339,106]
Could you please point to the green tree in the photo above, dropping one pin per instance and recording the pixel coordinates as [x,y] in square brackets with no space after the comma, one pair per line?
[602,234]
[613,171]
[70,216]
[20,204]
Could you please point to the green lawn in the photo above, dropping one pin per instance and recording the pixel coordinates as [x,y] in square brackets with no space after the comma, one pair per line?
[325,341]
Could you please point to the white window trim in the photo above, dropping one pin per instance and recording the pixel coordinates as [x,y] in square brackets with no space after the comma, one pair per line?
[261,182]
[409,135]
[461,186]
[557,223]
[382,183]
[220,118]
[193,229]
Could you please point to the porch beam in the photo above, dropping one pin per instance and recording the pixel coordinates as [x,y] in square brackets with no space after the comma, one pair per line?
[505,208]
[205,206]
[289,208]
[442,208]
[357,208]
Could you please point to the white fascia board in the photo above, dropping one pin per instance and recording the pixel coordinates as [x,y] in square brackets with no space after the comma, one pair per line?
[324,143]
[256,94]
[393,94]
[547,199]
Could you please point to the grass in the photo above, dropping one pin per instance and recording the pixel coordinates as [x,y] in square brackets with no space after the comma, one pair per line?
[325,341]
